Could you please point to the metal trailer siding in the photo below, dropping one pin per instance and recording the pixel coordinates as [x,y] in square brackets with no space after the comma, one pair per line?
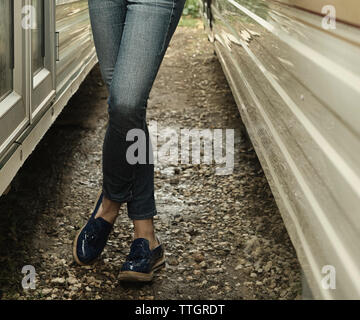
[297,87]
[77,57]
[75,40]
[14,114]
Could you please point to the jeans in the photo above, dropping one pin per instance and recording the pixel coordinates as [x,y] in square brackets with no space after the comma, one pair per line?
[131,38]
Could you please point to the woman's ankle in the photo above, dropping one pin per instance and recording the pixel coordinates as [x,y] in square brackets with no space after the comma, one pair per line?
[145,229]
[109,210]
[153,242]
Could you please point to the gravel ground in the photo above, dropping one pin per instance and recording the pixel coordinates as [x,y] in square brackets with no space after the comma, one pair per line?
[224,236]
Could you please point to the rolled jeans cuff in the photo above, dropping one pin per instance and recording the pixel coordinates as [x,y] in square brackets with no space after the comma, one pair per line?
[137,216]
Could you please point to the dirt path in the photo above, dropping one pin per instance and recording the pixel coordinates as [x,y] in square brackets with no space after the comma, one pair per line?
[224,235]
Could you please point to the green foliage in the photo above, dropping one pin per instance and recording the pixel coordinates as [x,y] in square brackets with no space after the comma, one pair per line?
[191,8]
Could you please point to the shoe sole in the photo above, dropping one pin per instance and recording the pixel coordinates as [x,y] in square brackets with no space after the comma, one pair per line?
[76,258]
[133,276]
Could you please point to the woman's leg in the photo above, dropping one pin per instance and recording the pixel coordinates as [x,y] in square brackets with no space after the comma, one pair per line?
[148,28]
[107,19]
[107,22]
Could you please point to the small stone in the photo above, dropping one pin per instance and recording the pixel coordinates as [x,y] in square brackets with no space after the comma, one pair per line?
[250,244]
[196,272]
[46,291]
[58,280]
[72,280]
[214,270]
[172,261]
[198,257]
[268,266]
[174,181]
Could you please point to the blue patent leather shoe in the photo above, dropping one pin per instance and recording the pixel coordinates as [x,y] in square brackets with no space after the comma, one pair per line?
[141,263]
[91,239]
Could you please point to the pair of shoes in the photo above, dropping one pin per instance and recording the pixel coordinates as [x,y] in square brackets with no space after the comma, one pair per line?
[142,262]
[91,239]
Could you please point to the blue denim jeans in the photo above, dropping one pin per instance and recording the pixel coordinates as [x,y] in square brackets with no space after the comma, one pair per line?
[131,38]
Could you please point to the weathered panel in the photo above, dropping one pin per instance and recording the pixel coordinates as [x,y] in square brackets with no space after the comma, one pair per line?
[75,40]
[297,87]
